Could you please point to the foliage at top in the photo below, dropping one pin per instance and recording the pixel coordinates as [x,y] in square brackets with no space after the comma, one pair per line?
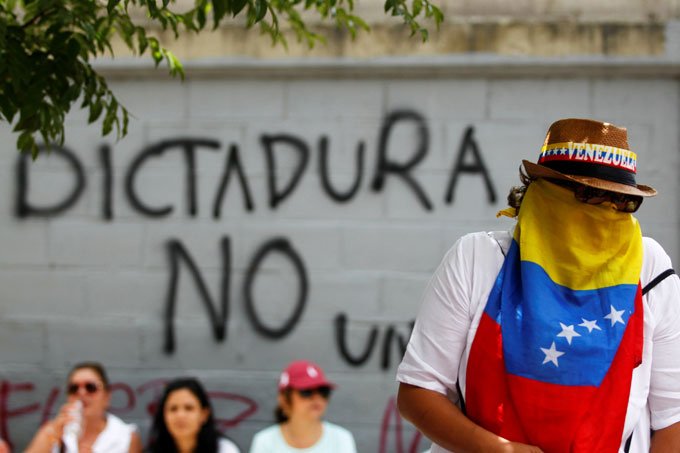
[47,46]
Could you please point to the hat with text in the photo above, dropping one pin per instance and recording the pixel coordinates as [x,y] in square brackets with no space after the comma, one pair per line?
[589,152]
[302,375]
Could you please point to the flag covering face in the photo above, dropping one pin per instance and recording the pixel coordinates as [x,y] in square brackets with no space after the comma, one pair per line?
[552,360]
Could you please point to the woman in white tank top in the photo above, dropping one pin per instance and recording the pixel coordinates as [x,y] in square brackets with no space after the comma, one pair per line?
[83,424]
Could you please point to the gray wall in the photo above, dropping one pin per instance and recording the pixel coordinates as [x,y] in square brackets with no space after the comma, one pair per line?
[77,286]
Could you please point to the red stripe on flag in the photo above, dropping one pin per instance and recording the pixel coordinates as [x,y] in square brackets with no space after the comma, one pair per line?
[556,418]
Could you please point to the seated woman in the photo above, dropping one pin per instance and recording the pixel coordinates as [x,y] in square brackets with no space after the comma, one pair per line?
[87,401]
[303,398]
[184,422]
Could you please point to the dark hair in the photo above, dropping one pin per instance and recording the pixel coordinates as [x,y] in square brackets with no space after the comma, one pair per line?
[279,414]
[516,194]
[94,366]
[160,439]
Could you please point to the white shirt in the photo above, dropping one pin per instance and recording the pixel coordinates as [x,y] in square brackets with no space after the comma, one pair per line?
[437,353]
[226,446]
[335,439]
[114,439]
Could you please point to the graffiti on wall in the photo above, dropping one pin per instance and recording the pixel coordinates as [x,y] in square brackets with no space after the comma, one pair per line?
[467,160]
[132,399]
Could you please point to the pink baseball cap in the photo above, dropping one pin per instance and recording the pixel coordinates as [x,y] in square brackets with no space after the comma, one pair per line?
[302,375]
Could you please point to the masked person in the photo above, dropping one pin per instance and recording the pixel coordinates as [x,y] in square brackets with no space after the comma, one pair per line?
[303,398]
[561,336]
[95,430]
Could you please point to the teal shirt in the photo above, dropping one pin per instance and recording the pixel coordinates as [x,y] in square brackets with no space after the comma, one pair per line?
[335,439]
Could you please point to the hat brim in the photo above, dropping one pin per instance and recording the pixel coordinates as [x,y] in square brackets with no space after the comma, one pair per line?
[311,385]
[540,171]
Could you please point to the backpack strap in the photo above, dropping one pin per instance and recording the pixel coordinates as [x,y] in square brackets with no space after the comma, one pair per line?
[648,287]
[656,280]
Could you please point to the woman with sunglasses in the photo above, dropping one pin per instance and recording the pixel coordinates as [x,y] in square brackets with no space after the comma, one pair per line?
[303,398]
[184,422]
[95,430]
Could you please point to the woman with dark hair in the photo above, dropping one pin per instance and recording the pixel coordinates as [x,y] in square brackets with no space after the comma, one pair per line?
[303,398]
[83,424]
[184,422]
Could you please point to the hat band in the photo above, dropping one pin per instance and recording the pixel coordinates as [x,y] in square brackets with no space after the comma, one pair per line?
[594,171]
[588,154]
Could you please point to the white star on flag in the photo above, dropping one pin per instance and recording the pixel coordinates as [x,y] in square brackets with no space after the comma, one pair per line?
[568,332]
[590,325]
[551,354]
[615,315]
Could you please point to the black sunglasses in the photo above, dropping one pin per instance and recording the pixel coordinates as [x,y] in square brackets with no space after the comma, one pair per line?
[325,392]
[90,387]
[590,195]
[621,201]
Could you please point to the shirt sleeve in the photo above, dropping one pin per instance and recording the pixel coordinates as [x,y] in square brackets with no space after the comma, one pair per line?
[350,445]
[257,445]
[440,333]
[664,388]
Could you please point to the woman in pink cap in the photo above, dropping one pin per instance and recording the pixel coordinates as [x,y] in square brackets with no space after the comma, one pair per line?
[303,398]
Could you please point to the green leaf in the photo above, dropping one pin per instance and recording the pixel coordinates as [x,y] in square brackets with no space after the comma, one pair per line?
[219,10]
[95,112]
[260,9]
[237,6]
[26,143]
[174,64]
[142,41]
[107,126]
[7,108]
[200,17]
[417,7]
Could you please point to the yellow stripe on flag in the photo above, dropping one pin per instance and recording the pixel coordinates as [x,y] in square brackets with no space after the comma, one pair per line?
[580,246]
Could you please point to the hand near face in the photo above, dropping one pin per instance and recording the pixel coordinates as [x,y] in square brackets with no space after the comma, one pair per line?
[64,416]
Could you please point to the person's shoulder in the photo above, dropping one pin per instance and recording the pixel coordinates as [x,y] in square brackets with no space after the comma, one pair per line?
[337,430]
[652,248]
[267,433]
[266,440]
[655,258]
[488,243]
[117,424]
[227,446]
[486,239]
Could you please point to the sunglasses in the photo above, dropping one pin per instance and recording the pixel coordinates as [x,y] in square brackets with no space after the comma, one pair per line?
[325,392]
[590,195]
[90,387]
[621,201]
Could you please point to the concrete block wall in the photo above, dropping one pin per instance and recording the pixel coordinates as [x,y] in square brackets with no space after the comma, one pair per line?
[76,286]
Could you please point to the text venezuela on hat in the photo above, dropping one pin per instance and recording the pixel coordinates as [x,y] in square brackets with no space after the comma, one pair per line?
[589,152]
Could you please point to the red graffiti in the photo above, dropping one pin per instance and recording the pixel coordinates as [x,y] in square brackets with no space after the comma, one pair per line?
[6,413]
[392,422]
[127,405]
[250,409]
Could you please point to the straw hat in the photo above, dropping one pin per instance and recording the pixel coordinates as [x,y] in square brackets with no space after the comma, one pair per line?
[589,152]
